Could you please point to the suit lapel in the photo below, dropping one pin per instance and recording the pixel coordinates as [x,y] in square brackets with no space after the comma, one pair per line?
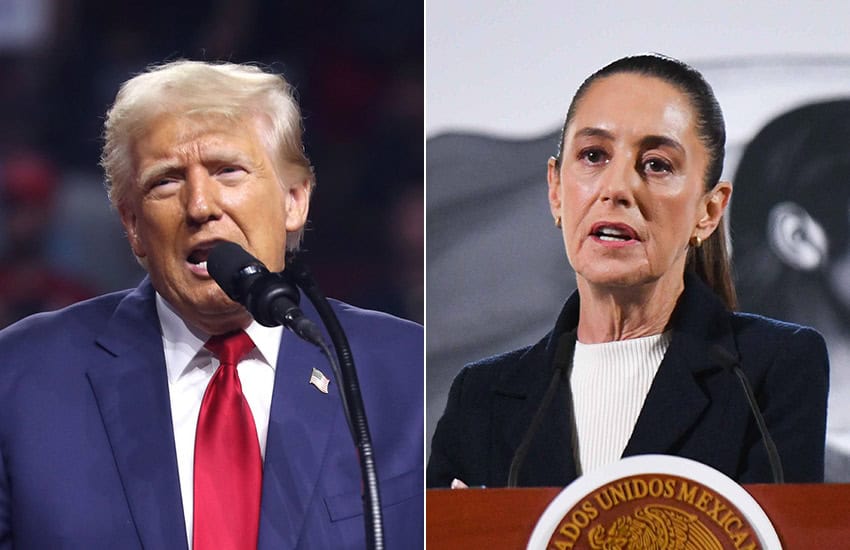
[131,388]
[677,397]
[300,425]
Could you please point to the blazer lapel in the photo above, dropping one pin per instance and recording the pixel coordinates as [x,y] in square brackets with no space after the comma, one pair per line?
[130,385]
[677,397]
[518,395]
[702,344]
[675,401]
[301,421]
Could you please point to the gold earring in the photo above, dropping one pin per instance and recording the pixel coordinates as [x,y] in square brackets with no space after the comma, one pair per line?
[696,241]
[557,221]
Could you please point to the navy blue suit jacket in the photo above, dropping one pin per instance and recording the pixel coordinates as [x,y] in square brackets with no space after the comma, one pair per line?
[695,408]
[87,456]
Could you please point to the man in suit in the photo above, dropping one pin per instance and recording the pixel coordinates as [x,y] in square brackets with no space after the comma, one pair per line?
[106,406]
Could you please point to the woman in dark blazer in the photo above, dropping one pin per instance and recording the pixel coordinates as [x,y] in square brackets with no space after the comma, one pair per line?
[648,355]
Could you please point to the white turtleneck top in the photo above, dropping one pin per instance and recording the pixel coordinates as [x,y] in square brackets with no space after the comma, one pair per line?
[609,384]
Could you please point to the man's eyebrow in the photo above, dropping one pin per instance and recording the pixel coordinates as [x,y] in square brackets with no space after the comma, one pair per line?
[216,154]
[211,155]
[159,168]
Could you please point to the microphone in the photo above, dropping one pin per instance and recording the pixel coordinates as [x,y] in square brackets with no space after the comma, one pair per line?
[732,362]
[272,299]
[267,296]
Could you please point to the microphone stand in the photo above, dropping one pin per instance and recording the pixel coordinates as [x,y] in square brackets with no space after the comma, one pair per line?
[352,401]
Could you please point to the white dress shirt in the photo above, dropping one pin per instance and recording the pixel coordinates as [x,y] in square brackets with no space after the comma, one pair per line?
[190,367]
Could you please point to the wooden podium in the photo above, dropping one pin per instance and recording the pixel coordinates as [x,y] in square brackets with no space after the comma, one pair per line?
[806,516]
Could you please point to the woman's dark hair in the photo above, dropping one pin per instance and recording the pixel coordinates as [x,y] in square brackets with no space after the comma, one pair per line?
[710,261]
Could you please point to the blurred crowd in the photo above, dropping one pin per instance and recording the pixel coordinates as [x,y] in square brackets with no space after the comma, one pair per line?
[358,71]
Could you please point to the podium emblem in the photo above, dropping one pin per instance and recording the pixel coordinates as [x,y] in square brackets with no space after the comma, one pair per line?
[654,502]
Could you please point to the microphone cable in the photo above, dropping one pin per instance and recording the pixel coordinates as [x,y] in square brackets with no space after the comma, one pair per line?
[352,400]
[769,445]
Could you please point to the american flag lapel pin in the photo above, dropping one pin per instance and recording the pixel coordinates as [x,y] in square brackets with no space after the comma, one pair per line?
[318,379]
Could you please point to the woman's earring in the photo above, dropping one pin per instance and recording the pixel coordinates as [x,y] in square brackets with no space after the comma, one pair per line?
[696,241]
[557,221]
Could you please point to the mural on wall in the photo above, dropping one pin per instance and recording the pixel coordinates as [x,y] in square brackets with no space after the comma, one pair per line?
[791,234]
[496,271]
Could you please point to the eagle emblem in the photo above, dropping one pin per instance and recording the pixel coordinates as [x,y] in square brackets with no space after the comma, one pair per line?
[654,527]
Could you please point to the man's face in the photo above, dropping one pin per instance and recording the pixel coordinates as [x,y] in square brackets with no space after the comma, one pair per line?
[199,183]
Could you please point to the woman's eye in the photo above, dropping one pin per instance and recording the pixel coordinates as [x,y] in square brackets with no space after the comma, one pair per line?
[657,166]
[593,156]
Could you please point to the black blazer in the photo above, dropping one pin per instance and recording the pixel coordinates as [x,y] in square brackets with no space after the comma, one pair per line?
[696,407]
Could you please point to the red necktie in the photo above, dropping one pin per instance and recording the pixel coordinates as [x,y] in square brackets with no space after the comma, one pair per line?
[228,466]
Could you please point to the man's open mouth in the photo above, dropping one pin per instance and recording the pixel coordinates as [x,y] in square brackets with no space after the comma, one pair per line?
[198,257]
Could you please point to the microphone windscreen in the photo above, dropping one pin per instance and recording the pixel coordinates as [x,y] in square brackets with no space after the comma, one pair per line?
[225,262]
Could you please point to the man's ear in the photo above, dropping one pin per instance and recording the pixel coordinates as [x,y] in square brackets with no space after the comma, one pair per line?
[715,205]
[297,204]
[796,238]
[130,223]
[553,177]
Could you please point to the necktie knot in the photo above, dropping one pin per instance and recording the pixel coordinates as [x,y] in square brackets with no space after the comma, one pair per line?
[230,348]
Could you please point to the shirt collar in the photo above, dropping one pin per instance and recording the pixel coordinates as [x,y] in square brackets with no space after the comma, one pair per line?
[182,342]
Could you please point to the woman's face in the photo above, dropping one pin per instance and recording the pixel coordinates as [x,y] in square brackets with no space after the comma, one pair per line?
[630,188]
